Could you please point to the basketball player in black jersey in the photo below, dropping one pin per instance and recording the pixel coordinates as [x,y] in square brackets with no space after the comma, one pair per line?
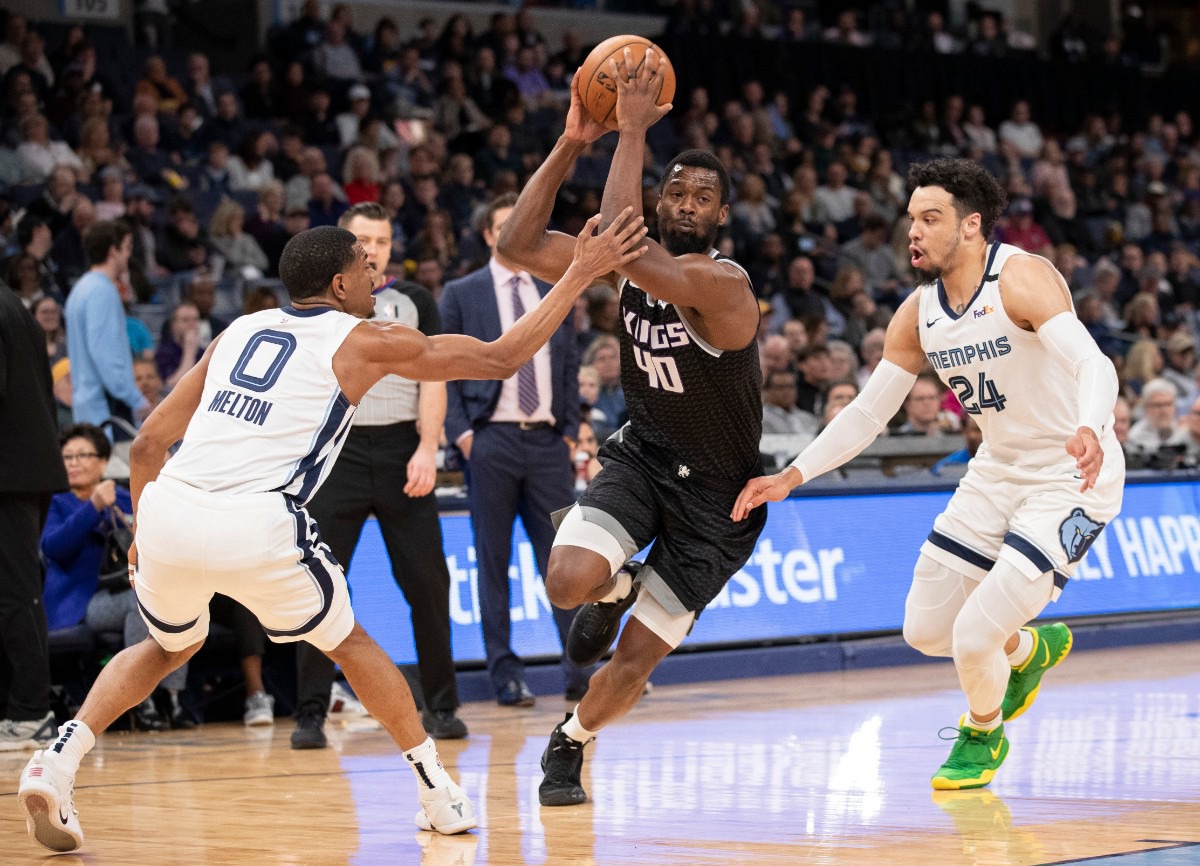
[689,367]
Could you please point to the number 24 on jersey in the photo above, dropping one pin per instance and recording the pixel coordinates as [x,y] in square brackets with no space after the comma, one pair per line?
[976,399]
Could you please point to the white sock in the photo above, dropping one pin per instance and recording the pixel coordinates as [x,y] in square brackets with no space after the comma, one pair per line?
[622,588]
[427,766]
[996,721]
[1024,649]
[576,731]
[75,739]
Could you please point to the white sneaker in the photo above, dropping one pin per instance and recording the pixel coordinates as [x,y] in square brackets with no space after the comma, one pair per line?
[260,710]
[344,704]
[446,810]
[44,795]
[15,736]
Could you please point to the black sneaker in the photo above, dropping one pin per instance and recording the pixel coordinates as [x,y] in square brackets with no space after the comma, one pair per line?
[596,624]
[443,724]
[562,762]
[310,729]
[181,717]
[146,717]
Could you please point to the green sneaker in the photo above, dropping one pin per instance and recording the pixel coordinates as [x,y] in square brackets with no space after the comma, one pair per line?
[974,760]
[1051,643]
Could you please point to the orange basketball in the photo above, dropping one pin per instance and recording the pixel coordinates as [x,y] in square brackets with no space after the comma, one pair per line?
[599,91]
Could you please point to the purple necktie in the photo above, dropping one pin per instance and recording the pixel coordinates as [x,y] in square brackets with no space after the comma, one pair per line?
[527,389]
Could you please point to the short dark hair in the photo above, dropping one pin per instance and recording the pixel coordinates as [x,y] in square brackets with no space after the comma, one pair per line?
[838,382]
[873,222]
[701,159]
[312,258]
[973,188]
[91,433]
[508,199]
[371,210]
[104,236]
[26,228]
[811,351]
[14,264]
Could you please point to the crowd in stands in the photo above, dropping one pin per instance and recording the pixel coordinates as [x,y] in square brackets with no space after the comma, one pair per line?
[211,172]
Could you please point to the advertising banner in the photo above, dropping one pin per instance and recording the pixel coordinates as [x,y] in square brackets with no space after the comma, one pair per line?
[824,565]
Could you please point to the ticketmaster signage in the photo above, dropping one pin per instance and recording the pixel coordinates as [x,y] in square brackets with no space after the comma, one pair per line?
[825,565]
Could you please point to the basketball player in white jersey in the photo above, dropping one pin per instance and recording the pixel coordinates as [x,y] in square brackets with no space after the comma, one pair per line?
[999,328]
[262,417]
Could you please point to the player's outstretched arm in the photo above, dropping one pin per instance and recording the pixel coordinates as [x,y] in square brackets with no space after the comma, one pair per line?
[524,239]
[636,111]
[378,349]
[856,426]
[1036,297]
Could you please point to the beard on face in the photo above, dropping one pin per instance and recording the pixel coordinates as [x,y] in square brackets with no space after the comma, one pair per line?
[699,240]
[928,275]
[934,272]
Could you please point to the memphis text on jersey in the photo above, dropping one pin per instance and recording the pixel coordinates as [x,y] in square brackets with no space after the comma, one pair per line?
[961,356]
[241,406]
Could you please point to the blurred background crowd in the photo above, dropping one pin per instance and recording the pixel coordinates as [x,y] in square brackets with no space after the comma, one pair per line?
[214,169]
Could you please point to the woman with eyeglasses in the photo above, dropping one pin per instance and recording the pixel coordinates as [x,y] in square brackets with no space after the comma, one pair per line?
[73,544]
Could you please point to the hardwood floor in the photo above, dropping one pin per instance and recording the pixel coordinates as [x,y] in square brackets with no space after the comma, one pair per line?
[818,769]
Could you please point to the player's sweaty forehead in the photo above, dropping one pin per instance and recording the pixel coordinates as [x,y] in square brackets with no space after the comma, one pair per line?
[692,176]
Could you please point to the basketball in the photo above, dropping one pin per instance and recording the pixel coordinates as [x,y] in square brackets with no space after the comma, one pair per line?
[596,87]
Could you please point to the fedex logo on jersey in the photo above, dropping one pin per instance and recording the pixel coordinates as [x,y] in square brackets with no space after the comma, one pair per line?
[979,314]
[960,356]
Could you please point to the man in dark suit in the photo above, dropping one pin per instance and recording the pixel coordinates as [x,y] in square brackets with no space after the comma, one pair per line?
[31,469]
[517,437]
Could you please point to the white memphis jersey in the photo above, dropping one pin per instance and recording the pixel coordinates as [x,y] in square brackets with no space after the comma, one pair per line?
[1025,402]
[273,416]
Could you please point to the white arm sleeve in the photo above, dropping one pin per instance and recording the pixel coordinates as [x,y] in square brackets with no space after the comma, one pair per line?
[856,426]
[1073,347]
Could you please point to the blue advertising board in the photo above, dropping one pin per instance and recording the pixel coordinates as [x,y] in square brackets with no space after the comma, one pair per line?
[825,565]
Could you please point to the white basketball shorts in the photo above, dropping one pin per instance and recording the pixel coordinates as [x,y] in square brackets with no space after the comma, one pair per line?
[1032,517]
[260,549]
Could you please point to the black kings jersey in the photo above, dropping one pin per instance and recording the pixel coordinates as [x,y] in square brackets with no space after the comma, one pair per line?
[702,404]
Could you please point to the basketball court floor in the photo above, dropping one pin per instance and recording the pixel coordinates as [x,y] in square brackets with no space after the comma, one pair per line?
[817,769]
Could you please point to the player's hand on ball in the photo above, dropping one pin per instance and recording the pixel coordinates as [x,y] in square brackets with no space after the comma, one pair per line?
[581,126]
[1089,456]
[767,488]
[637,92]
[616,246]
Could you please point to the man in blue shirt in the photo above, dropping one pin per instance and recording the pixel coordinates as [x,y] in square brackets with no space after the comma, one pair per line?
[973,439]
[97,343]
